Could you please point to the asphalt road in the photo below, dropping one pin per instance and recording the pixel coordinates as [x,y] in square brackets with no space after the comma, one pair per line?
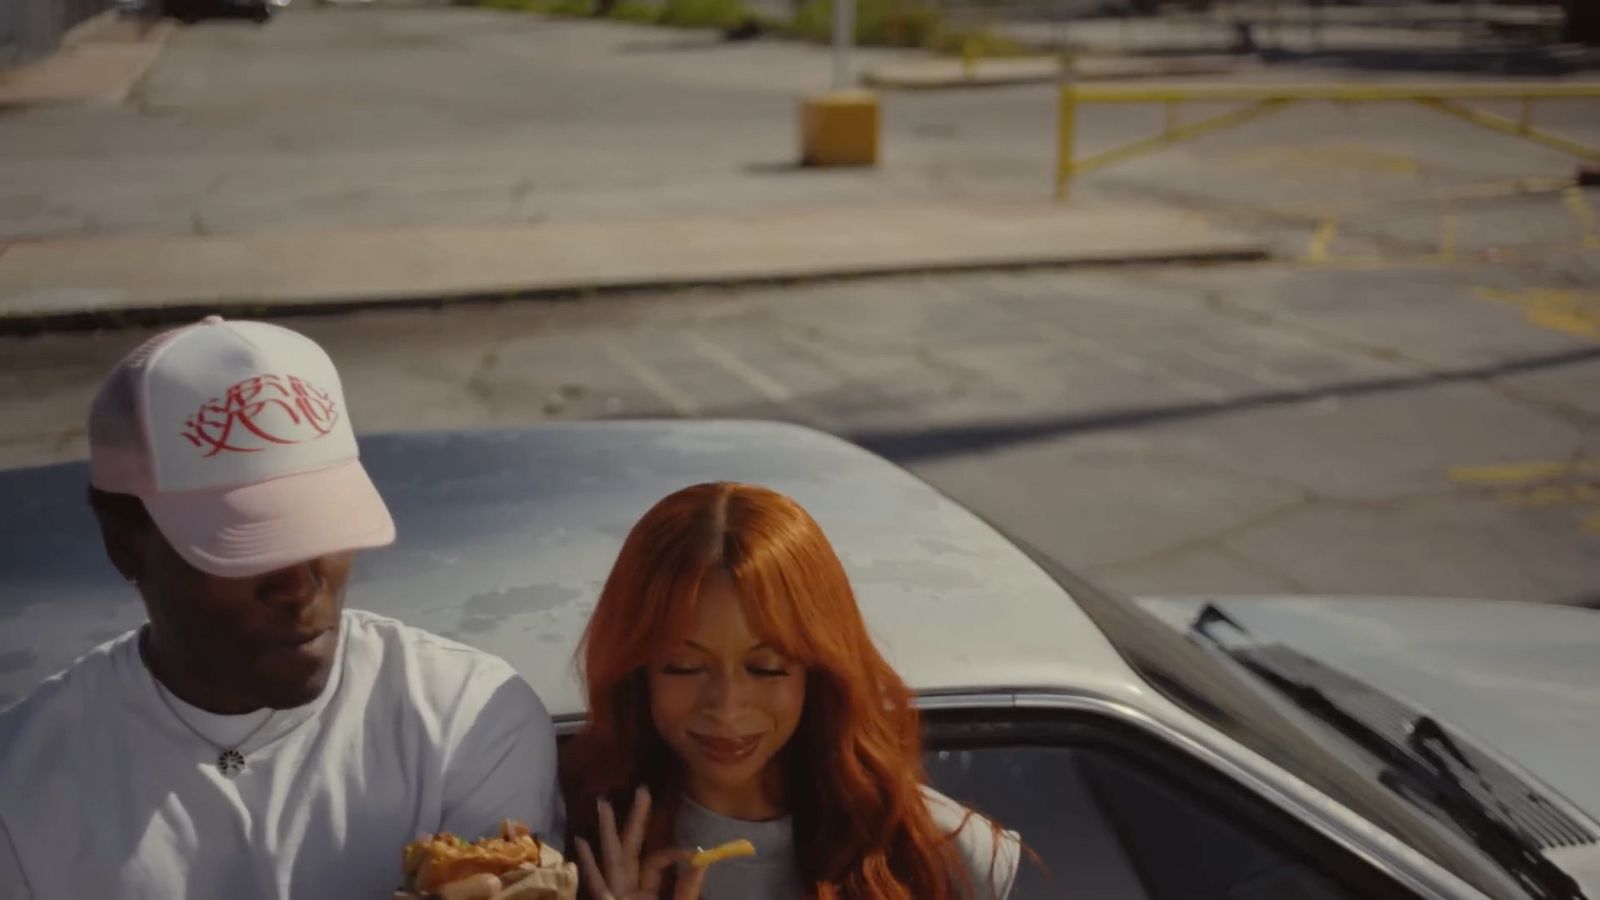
[1425,430]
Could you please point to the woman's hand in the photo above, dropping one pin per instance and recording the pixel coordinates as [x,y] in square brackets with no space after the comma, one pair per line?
[623,875]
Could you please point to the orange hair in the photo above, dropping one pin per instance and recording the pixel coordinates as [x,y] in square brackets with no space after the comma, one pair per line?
[853,771]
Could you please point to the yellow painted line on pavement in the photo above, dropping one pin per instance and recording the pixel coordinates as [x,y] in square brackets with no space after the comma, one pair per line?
[1447,236]
[1570,312]
[1551,495]
[1317,250]
[1522,472]
[1542,484]
[1578,205]
[1483,190]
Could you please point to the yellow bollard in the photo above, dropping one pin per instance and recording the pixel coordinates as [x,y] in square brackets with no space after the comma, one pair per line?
[839,128]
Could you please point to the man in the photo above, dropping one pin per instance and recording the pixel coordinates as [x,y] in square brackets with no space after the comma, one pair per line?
[254,739]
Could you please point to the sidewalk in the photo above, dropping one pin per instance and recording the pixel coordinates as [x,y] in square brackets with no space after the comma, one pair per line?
[59,283]
[99,63]
[933,74]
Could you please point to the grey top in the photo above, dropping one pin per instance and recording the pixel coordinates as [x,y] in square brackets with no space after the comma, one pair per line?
[770,874]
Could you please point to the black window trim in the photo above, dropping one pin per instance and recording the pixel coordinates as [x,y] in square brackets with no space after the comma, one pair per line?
[1345,828]
[1169,763]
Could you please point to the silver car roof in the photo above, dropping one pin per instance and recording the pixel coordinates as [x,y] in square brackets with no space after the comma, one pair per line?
[506,536]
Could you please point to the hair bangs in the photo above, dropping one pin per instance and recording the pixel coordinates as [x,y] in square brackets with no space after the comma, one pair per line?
[670,601]
[775,615]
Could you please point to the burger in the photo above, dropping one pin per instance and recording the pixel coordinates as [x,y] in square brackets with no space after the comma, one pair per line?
[514,866]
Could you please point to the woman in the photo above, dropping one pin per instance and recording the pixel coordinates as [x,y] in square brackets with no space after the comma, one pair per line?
[732,681]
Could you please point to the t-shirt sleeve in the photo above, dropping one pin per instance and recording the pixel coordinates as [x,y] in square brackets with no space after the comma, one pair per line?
[503,762]
[989,853]
[13,883]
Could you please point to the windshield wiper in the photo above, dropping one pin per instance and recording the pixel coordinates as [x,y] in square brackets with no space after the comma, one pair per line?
[1427,755]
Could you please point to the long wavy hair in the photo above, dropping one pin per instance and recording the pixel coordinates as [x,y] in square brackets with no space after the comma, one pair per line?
[853,771]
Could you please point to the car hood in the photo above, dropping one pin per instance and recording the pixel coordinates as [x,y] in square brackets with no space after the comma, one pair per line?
[1520,680]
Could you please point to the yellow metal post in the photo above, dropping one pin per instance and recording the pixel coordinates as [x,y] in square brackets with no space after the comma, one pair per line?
[1064,148]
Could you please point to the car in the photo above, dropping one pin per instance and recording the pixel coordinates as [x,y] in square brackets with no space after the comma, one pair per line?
[191,11]
[1147,749]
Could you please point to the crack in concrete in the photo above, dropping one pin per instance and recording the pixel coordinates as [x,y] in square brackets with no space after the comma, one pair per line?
[1213,540]
[478,384]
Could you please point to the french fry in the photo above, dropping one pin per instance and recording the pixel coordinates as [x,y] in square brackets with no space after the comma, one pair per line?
[730,850]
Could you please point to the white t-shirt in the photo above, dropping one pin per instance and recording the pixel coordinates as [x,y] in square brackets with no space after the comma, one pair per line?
[103,793]
[990,858]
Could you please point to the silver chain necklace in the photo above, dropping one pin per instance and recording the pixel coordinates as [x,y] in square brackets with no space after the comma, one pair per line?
[230,760]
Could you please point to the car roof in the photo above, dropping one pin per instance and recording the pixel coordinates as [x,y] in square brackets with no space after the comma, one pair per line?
[506,536]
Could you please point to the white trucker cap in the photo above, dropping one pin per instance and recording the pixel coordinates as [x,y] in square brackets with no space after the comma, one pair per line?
[236,437]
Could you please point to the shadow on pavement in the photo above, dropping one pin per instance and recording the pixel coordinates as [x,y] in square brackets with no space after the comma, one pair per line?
[784,167]
[675,45]
[1523,61]
[728,37]
[918,446]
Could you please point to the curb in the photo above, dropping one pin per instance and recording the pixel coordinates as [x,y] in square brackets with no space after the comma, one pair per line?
[29,324]
[892,82]
[1084,69]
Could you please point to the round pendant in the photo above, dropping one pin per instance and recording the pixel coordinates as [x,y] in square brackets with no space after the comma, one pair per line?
[230,762]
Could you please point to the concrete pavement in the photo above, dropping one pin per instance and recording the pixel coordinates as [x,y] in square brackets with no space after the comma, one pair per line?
[374,118]
[1409,408]
[145,278]
[1257,429]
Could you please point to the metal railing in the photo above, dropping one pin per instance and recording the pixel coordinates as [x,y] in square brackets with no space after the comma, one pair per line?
[1264,99]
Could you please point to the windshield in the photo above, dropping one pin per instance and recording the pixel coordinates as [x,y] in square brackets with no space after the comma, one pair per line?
[1207,687]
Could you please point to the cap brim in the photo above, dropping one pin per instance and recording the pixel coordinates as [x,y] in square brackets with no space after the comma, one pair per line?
[244,531]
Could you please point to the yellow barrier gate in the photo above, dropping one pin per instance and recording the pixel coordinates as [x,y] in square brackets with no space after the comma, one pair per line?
[1265,99]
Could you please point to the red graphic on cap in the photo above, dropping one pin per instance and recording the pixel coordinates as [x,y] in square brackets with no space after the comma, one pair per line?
[276,409]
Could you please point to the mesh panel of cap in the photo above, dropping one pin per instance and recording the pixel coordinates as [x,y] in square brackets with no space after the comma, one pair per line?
[119,458]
